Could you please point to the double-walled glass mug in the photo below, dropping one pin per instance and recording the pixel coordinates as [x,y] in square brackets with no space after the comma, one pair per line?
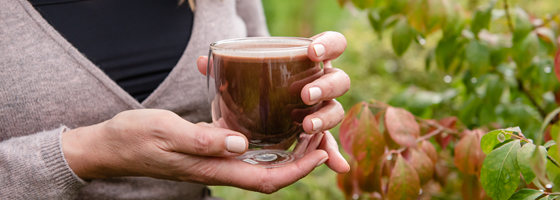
[254,86]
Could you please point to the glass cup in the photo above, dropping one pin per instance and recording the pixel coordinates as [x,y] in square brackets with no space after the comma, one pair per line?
[254,86]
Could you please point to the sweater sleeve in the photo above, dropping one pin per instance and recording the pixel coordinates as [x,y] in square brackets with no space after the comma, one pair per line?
[251,11]
[33,167]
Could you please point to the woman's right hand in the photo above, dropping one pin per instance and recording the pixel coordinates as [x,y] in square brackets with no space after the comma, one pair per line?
[160,144]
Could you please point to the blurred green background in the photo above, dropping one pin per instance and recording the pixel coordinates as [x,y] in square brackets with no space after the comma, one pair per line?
[376,73]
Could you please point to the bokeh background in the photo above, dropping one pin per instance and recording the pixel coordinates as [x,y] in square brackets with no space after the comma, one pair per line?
[377,73]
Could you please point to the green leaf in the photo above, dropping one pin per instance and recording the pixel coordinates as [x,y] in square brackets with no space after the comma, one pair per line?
[455,21]
[522,24]
[448,53]
[500,173]
[481,19]
[478,56]
[470,109]
[402,126]
[502,143]
[362,4]
[526,194]
[341,2]
[494,90]
[549,144]
[548,197]
[538,164]
[398,6]
[546,122]
[551,169]
[490,139]
[548,36]
[402,36]
[498,54]
[556,184]
[524,50]
[376,22]
[523,159]
[404,183]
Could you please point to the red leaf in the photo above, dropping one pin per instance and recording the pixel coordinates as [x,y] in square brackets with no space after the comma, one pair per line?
[404,182]
[349,126]
[441,173]
[471,188]
[468,154]
[391,144]
[422,164]
[346,182]
[368,144]
[372,182]
[430,150]
[547,136]
[402,126]
[444,139]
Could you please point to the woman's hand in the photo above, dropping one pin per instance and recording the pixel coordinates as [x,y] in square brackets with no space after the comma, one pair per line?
[334,83]
[160,144]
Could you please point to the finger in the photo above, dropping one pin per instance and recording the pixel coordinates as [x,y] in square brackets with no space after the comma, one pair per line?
[333,84]
[326,46]
[202,63]
[325,118]
[268,180]
[203,140]
[336,161]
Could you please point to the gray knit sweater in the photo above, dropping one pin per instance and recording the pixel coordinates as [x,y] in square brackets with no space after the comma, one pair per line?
[47,87]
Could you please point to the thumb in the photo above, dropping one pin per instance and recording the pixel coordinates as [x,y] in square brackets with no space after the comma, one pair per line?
[210,141]
[202,65]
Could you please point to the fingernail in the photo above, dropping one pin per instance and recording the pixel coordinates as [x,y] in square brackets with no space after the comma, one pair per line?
[348,167]
[322,161]
[317,124]
[314,93]
[235,144]
[319,49]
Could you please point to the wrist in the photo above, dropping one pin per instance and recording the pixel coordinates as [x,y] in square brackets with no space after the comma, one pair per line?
[82,159]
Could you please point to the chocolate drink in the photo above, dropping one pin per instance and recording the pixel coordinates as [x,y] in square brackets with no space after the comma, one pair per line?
[259,96]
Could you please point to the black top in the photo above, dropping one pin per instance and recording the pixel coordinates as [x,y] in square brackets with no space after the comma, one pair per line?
[135,42]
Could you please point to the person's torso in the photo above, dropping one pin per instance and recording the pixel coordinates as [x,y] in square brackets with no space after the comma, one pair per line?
[46,82]
[135,42]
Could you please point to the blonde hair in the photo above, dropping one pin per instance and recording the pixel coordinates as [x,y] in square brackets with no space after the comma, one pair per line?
[191,4]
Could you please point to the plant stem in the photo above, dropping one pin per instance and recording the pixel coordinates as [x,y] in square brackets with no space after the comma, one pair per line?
[553,161]
[516,136]
[437,126]
[530,97]
[508,16]
[546,21]
[429,135]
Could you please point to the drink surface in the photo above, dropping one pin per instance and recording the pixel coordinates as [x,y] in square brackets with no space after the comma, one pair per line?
[259,96]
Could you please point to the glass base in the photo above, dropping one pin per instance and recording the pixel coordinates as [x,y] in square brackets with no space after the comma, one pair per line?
[268,158]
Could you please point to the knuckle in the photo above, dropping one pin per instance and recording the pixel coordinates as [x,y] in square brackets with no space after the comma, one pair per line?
[344,79]
[265,185]
[202,143]
[341,110]
[330,87]
[267,188]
